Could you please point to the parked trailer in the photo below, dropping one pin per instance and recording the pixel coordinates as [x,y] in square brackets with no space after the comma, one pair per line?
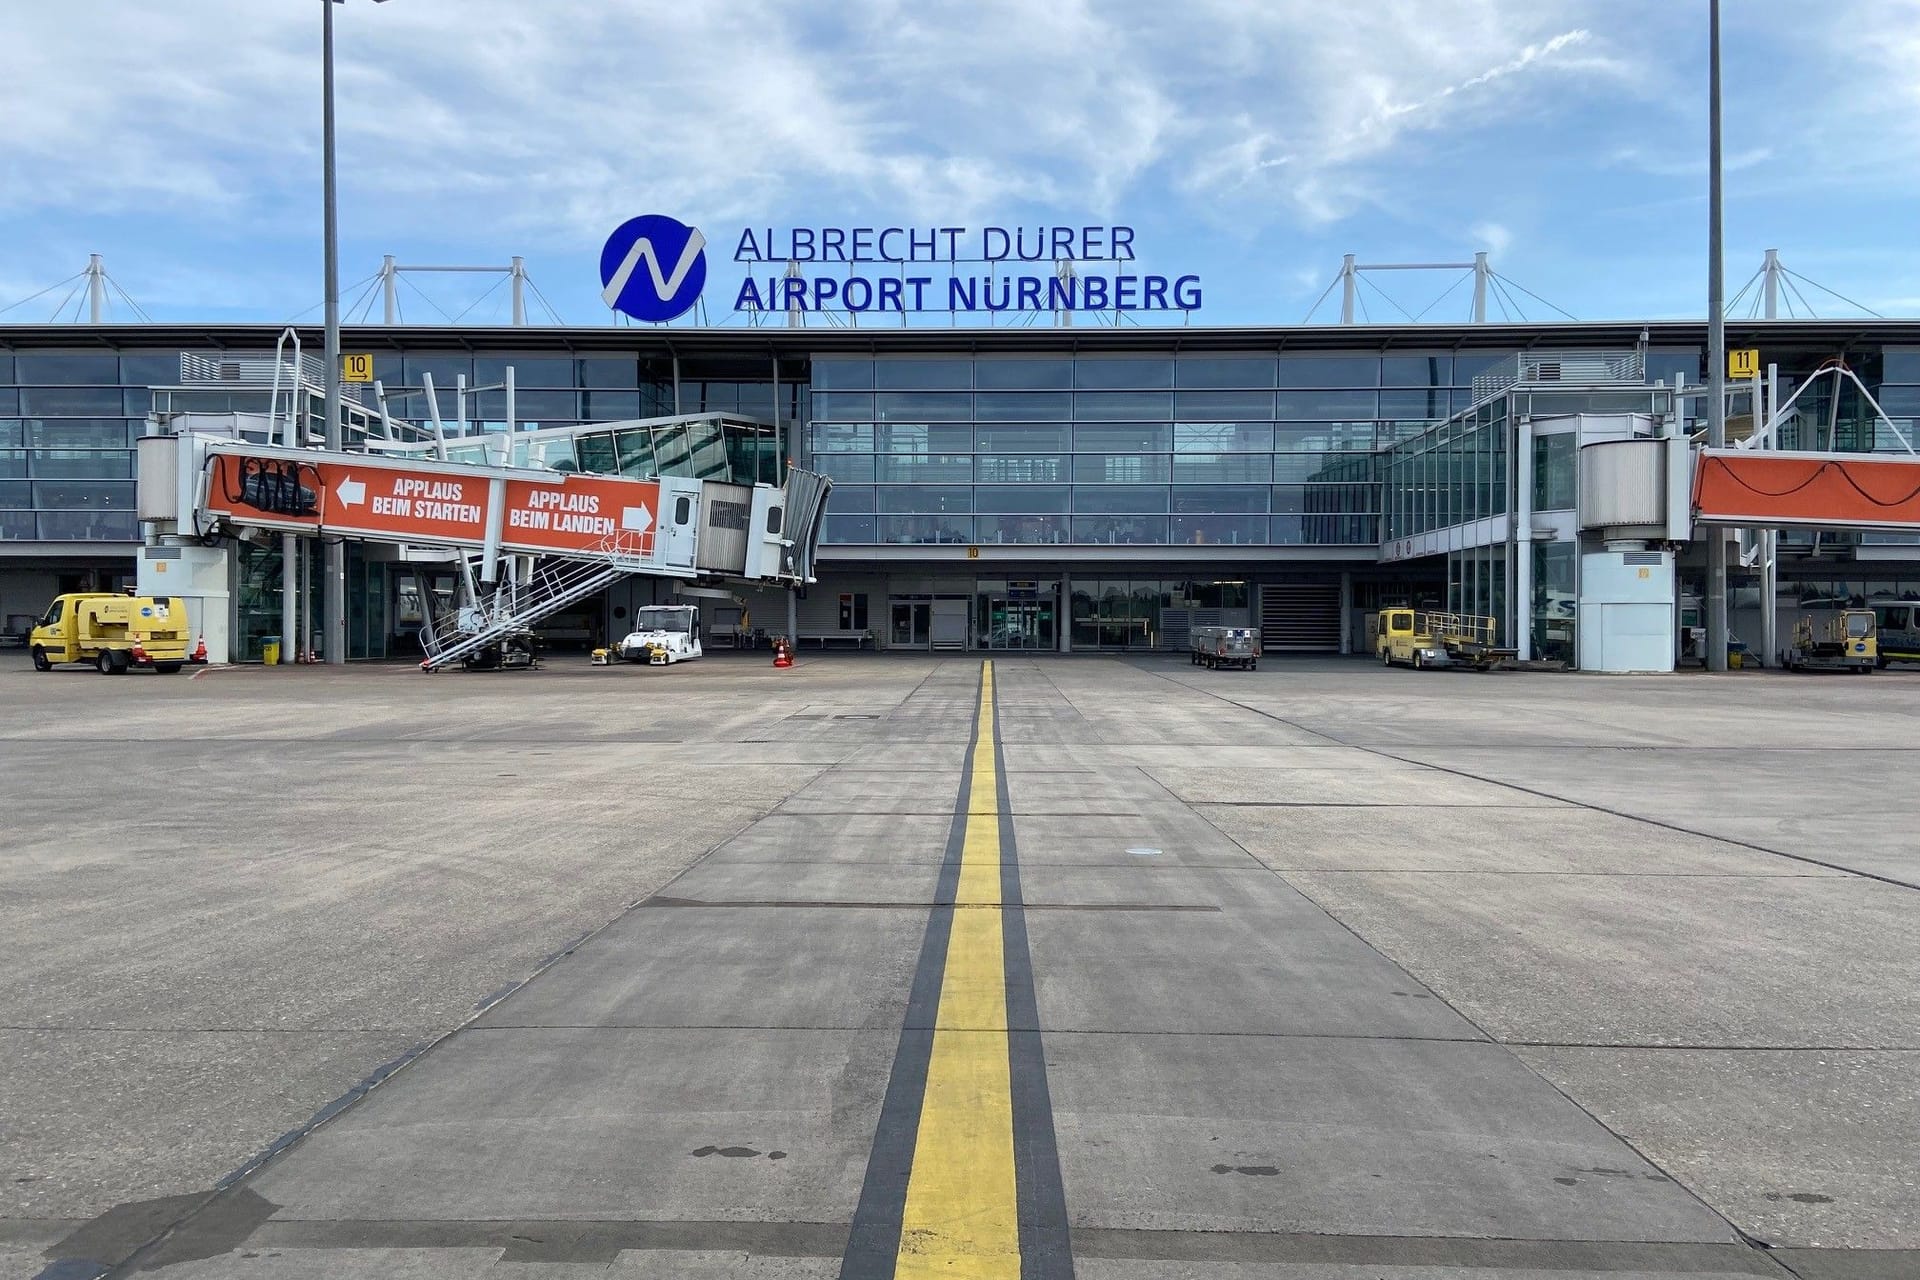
[1226,647]
[1429,638]
[1840,640]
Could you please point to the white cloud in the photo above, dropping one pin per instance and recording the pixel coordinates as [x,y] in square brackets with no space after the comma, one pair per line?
[1493,237]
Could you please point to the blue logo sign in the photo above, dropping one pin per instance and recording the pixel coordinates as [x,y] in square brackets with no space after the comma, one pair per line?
[653,267]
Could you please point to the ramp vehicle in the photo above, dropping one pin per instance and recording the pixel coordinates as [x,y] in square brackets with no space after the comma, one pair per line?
[663,634]
[1838,640]
[1897,632]
[112,632]
[1226,647]
[1426,638]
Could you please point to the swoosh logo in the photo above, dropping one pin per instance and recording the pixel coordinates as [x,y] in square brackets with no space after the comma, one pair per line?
[664,287]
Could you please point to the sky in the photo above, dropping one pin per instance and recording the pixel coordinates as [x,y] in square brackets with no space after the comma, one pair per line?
[1248,142]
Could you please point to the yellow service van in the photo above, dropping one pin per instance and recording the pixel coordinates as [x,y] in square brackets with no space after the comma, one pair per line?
[112,632]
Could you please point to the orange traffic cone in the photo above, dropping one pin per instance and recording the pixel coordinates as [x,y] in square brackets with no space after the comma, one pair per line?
[199,652]
[782,655]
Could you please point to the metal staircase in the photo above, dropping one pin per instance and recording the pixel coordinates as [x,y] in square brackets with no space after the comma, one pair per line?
[515,607]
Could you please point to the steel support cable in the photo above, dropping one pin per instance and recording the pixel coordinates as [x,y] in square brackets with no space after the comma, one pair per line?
[1804,300]
[1836,293]
[69,298]
[429,300]
[137,308]
[543,300]
[1507,282]
[49,289]
[1391,300]
[494,288]
[1501,287]
[1458,280]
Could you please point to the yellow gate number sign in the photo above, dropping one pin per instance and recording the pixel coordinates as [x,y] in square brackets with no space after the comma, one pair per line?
[357,367]
[1744,363]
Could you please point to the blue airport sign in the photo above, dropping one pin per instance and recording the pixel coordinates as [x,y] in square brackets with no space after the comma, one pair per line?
[653,267]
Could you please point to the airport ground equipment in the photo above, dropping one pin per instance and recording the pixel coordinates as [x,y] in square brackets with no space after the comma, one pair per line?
[112,632]
[1225,647]
[1429,638]
[1897,631]
[1835,640]
[663,634]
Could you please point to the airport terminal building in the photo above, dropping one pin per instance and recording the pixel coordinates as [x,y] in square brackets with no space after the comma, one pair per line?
[1048,489]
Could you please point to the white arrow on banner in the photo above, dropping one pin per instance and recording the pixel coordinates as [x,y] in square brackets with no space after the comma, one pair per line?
[636,519]
[352,492]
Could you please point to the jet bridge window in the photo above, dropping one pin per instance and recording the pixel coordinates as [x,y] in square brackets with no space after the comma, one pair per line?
[773,520]
[682,509]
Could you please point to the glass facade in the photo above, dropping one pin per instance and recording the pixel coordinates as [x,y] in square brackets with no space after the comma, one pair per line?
[1231,450]
[68,420]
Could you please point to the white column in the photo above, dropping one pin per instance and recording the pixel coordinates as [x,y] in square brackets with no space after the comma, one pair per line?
[1521,606]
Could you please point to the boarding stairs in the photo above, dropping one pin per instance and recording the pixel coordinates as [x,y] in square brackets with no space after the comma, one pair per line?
[514,607]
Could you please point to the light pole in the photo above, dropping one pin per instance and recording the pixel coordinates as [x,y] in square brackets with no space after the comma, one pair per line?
[1716,349]
[334,592]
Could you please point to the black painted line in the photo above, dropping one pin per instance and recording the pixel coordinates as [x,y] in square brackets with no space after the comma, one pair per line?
[1678,1258]
[873,1240]
[1046,1244]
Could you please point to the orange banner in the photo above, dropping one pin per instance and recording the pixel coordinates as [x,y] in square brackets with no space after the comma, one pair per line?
[581,513]
[1762,490]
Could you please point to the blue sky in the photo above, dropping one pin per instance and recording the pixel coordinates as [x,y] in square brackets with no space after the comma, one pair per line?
[1251,142]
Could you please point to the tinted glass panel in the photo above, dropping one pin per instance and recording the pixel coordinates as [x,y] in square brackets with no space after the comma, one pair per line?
[1327,404]
[1120,529]
[929,498]
[88,526]
[70,370]
[1245,498]
[847,528]
[848,406]
[1025,438]
[13,463]
[71,401]
[1120,498]
[1212,406]
[1248,467]
[1015,406]
[1123,438]
[156,369]
[1153,406]
[1329,371]
[852,498]
[616,374]
[1228,530]
[1222,437]
[1094,373]
[443,368]
[841,375]
[9,400]
[1023,497]
[1428,405]
[68,464]
[908,406]
[528,371]
[1020,468]
[856,467]
[923,468]
[16,494]
[1122,468]
[76,433]
[1662,366]
[1416,371]
[1469,364]
[833,437]
[1899,364]
[543,406]
[1022,528]
[922,375]
[1223,371]
[1040,375]
[77,493]
[922,437]
[946,529]
[1310,467]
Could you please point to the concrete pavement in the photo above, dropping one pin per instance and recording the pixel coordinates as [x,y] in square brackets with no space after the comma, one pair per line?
[1320,971]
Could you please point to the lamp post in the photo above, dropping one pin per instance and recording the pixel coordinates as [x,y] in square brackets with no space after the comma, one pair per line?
[1716,349]
[334,593]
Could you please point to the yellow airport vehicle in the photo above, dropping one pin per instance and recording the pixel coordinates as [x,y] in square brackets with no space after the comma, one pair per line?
[1835,640]
[1427,638]
[112,632]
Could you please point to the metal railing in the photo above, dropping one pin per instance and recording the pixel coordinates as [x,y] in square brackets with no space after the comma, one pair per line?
[1575,368]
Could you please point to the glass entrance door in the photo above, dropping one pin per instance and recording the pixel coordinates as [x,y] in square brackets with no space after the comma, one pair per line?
[912,625]
[1019,623]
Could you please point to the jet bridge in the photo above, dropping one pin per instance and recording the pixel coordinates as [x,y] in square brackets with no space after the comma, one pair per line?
[529,541]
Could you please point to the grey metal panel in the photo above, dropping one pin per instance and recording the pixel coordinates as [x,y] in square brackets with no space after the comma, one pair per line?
[156,490]
[1623,483]
[726,513]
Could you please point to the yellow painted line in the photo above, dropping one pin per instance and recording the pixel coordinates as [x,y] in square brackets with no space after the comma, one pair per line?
[960,1218]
